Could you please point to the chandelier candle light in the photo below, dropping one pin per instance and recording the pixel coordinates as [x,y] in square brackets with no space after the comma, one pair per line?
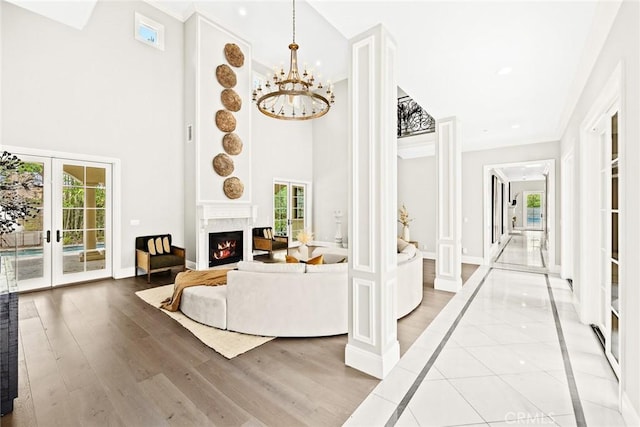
[291,96]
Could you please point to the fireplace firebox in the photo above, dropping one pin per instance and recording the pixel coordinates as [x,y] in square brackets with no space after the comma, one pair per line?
[225,247]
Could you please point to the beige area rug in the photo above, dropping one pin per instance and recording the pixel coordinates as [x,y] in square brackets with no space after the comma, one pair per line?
[227,343]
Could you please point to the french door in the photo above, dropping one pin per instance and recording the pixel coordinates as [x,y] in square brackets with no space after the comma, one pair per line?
[290,208]
[534,210]
[69,237]
[610,294]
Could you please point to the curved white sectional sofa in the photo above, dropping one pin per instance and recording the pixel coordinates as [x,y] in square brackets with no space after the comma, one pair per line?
[291,300]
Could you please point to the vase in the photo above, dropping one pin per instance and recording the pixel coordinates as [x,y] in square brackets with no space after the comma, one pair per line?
[406,236]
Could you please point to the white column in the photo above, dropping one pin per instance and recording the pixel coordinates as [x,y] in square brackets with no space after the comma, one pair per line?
[448,212]
[373,344]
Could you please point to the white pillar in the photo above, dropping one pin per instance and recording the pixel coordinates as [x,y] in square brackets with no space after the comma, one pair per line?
[373,344]
[448,211]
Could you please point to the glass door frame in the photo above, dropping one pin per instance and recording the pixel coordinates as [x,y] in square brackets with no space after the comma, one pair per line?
[307,208]
[117,271]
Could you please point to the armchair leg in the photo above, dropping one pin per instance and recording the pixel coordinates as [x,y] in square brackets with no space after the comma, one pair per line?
[148,277]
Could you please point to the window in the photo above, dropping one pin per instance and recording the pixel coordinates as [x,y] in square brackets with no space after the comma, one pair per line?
[149,31]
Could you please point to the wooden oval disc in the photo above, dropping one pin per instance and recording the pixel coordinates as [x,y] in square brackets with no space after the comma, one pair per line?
[234,54]
[232,144]
[225,121]
[233,187]
[231,100]
[226,76]
[223,164]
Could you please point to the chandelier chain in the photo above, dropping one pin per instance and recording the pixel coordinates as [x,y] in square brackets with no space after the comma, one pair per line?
[294,21]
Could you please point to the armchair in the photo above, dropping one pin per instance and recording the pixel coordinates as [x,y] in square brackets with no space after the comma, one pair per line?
[156,253]
[265,240]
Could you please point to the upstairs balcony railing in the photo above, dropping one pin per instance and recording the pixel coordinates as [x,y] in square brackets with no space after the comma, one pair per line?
[413,119]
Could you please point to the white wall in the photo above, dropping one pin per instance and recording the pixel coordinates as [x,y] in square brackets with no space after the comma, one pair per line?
[473,163]
[417,191]
[517,192]
[622,47]
[331,167]
[100,92]
[282,149]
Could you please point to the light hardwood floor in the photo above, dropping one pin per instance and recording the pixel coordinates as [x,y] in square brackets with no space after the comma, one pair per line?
[97,355]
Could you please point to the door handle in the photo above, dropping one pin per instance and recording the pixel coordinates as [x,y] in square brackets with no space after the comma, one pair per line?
[48,236]
[57,235]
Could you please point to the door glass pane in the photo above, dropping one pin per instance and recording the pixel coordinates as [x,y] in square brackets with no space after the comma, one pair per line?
[72,247]
[614,187]
[94,256]
[615,337]
[280,198]
[29,236]
[614,236]
[297,210]
[614,136]
[615,304]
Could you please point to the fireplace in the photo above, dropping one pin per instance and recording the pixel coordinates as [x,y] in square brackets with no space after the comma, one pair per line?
[225,247]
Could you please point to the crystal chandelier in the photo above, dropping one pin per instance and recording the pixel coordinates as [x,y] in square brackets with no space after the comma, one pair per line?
[291,96]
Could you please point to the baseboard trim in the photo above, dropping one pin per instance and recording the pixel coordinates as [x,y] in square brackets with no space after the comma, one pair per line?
[375,365]
[123,273]
[630,415]
[468,259]
[428,255]
[449,285]
[191,265]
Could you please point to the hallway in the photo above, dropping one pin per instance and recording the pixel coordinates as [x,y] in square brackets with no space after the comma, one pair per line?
[524,250]
[508,349]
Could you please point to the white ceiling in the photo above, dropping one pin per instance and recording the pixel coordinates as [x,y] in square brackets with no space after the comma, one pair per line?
[449,53]
[529,171]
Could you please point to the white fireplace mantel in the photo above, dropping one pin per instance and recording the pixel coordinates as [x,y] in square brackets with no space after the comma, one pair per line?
[222,217]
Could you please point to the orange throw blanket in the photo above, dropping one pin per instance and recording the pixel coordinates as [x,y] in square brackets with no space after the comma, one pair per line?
[189,278]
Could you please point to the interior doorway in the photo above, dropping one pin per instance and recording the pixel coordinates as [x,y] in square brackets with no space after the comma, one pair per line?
[529,239]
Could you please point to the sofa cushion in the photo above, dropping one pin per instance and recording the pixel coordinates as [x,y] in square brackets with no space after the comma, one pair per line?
[328,268]
[165,260]
[166,245]
[260,267]
[159,246]
[265,233]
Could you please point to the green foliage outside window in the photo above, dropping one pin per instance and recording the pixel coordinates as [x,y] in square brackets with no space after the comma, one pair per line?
[533,200]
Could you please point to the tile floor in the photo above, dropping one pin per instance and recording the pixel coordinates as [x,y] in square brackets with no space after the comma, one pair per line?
[501,363]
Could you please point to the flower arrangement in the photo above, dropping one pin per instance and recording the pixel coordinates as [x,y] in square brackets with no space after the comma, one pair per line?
[403,216]
[304,236]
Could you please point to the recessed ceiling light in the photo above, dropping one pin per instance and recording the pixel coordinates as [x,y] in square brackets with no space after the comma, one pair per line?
[242,11]
[504,71]
[515,126]
[318,63]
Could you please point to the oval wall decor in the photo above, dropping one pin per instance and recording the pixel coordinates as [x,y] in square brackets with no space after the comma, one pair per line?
[231,100]
[223,164]
[226,76]
[233,187]
[225,121]
[232,144]
[234,54]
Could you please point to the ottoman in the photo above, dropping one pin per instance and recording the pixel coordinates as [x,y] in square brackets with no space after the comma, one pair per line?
[206,305]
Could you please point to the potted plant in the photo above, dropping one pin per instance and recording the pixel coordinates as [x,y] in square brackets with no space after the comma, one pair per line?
[404,219]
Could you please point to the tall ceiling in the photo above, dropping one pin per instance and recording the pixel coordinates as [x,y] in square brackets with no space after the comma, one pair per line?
[510,70]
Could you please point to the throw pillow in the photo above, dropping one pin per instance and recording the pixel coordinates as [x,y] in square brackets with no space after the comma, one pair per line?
[333,258]
[409,250]
[291,259]
[270,233]
[166,245]
[265,233]
[159,248]
[401,244]
[151,246]
[316,260]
